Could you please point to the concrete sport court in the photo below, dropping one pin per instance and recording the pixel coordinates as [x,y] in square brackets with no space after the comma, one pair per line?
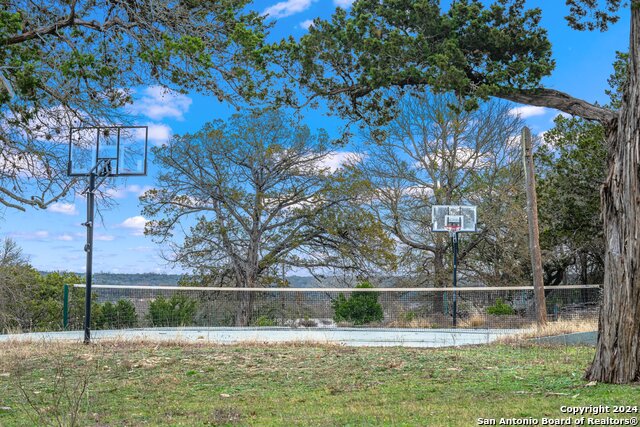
[340,336]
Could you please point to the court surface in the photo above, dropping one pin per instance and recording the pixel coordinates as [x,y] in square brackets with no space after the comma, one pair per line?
[340,336]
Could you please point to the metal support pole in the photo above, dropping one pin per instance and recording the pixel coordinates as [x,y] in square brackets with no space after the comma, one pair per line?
[88,248]
[65,307]
[454,238]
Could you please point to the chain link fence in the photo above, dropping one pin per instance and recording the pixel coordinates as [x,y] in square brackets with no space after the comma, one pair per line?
[127,307]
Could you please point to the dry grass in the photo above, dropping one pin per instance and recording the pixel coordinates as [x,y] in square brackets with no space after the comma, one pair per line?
[418,322]
[474,320]
[162,383]
[558,327]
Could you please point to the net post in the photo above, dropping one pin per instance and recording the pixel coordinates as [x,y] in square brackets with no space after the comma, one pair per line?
[65,306]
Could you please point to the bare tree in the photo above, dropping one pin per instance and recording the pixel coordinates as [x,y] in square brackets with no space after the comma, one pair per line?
[436,153]
[11,253]
[256,193]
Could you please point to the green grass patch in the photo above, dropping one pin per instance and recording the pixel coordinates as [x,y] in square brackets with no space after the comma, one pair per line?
[143,383]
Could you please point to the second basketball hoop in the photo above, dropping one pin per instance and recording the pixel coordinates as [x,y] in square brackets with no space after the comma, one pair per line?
[454,219]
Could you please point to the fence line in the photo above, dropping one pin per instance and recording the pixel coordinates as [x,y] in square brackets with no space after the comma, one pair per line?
[294,289]
[419,308]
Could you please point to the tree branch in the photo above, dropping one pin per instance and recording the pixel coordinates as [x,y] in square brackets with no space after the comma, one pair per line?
[70,21]
[551,98]
[44,30]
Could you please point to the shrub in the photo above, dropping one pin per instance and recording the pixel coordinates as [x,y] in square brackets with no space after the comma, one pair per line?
[29,300]
[409,316]
[264,321]
[175,311]
[119,315]
[360,308]
[500,308]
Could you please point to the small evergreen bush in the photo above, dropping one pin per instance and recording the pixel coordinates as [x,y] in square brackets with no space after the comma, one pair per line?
[360,308]
[500,308]
[178,310]
[119,315]
[264,321]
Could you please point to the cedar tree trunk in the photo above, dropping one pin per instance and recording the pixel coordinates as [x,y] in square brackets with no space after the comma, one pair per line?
[617,358]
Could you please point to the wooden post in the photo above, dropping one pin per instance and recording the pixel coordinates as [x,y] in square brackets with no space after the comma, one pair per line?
[534,235]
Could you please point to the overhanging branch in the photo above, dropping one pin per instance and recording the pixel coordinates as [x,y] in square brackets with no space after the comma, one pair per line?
[551,98]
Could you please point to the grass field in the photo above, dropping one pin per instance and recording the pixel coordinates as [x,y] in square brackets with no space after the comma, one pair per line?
[145,384]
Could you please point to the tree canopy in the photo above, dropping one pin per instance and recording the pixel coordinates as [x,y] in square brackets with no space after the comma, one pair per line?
[572,167]
[474,50]
[78,62]
[263,192]
[498,50]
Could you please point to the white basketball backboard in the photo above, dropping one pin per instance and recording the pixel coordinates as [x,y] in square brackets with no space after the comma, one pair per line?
[443,216]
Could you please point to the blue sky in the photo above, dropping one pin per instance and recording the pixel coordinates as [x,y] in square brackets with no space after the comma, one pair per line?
[54,239]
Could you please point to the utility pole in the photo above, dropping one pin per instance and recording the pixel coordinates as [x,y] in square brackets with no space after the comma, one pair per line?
[534,234]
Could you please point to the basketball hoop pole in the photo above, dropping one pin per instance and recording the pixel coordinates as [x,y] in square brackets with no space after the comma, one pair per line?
[88,248]
[454,241]
[454,219]
[99,153]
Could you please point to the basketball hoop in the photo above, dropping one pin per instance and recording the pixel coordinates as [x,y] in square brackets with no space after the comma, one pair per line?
[453,224]
[100,153]
[454,220]
[452,229]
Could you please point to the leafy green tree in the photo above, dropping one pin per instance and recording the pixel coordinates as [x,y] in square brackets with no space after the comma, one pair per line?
[78,62]
[119,315]
[360,308]
[17,284]
[263,194]
[571,165]
[495,50]
[31,301]
[179,310]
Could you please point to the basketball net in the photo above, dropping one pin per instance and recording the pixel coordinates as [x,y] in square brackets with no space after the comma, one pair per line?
[453,230]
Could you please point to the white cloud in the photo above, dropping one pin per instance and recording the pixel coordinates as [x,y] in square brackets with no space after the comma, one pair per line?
[345,4]
[527,111]
[514,141]
[159,133]
[124,192]
[40,235]
[139,190]
[287,8]
[103,237]
[65,237]
[337,159]
[135,224]
[141,249]
[306,24]
[64,208]
[158,103]
[116,193]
